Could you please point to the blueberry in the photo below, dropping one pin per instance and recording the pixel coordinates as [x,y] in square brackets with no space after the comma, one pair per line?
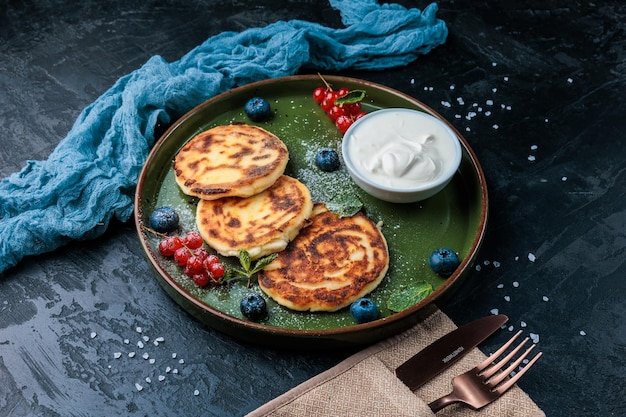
[327,159]
[364,310]
[258,109]
[254,307]
[164,219]
[444,261]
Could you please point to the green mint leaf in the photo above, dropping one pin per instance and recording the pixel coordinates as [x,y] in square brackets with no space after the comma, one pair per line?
[353,96]
[406,297]
[244,260]
[263,262]
[344,205]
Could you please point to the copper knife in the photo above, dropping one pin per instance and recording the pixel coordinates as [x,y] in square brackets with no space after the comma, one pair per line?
[447,350]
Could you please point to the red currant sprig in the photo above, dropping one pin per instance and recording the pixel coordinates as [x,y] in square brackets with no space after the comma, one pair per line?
[342,106]
[203,267]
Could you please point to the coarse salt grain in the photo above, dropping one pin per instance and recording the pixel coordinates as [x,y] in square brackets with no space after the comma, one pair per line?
[489,102]
[522,324]
[511,328]
[507,298]
[534,337]
[148,380]
[93,335]
[181,361]
[196,392]
[140,344]
[138,329]
[117,355]
[167,370]
[531,157]
[515,284]
[161,378]
[126,341]
[506,78]
[545,298]
[131,354]
[533,147]
[583,333]
[532,257]
[496,264]
[563,178]
[145,356]
[152,360]
[478,267]
[146,339]
[495,127]
[494,311]
[500,286]
[138,387]
[174,355]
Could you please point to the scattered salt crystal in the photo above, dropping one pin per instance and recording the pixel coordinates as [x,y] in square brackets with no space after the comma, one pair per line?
[506,78]
[160,339]
[181,361]
[174,371]
[161,378]
[117,355]
[460,100]
[138,329]
[507,298]
[412,80]
[446,104]
[515,284]
[533,147]
[152,360]
[174,355]
[494,311]
[93,335]
[494,64]
[563,178]
[167,370]
[478,267]
[145,356]
[431,88]
[510,328]
[532,257]
[196,393]
[545,298]
[583,333]
[487,113]
[425,88]
[495,127]
[452,87]
[508,107]
[146,339]
[522,324]
[534,337]
[126,341]
[494,90]
[148,380]
[517,258]
[569,80]
[467,129]
[496,264]
[531,157]
[500,286]
[489,102]
[131,354]
[545,120]
[138,387]
[155,343]
[140,344]
[486,262]
[457,116]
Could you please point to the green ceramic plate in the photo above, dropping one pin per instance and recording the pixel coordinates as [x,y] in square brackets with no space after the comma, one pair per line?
[455,218]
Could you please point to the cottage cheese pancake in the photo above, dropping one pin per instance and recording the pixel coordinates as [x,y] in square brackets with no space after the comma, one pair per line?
[262,224]
[330,264]
[235,160]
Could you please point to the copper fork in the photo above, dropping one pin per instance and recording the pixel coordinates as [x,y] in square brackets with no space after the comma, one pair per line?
[486,382]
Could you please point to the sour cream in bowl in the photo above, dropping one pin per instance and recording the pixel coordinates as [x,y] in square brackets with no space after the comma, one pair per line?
[401,155]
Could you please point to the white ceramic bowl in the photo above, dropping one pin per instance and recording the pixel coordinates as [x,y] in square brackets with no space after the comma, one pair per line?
[401,155]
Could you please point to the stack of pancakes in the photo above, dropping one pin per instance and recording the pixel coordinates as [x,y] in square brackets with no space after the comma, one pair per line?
[247,203]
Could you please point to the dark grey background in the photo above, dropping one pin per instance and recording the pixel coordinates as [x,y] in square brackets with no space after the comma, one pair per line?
[552,150]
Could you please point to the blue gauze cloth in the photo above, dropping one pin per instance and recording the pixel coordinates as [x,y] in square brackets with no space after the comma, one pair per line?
[90,177]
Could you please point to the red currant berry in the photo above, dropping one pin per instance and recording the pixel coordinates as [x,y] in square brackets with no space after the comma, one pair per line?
[217,270]
[202,279]
[194,266]
[182,255]
[359,115]
[331,96]
[318,94]
[327,104]
[343,123]
[353,108]
[202,253]
[193,240]
[168,246]
[342,92]
[210,260]
[335,112]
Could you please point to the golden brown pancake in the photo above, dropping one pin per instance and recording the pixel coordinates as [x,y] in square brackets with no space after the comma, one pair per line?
[262,224]
[235,160]
[329,265]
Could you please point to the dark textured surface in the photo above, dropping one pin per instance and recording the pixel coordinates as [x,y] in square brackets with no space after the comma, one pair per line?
[554,161]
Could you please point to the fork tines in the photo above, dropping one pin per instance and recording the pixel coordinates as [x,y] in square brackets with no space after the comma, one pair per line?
[488,370]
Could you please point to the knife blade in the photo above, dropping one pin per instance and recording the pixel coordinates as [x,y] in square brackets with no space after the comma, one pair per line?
[447,350]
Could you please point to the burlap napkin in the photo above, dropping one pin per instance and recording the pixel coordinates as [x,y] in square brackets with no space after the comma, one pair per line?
[365,384]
